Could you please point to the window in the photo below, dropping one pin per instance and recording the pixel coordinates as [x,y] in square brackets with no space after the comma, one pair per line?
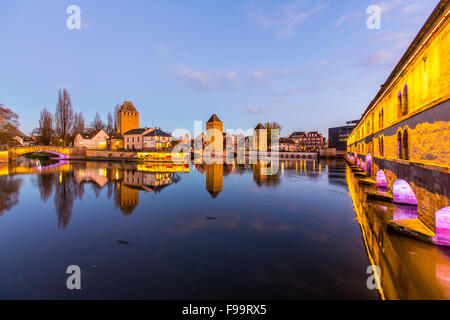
[380,118]
[399,104]
[405,145]
[405,100]
[399,145]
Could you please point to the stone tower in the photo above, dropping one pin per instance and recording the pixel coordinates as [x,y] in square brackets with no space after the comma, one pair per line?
[214,135]
[260,138]
[127,118]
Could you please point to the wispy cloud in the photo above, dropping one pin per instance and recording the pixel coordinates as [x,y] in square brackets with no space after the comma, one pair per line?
[285,17]
[255,110]
[206,80]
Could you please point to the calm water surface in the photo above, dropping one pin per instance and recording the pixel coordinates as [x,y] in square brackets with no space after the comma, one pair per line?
[204,232]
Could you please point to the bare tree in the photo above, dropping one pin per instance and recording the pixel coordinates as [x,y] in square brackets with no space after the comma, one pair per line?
[9,126]
[97,124]
[45,130]
[79,124]
[64,116]
[276,128]
[110,126]
[116,112]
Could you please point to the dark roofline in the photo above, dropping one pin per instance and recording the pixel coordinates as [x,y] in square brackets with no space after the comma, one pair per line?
[214,118]
[429,24]
[154,133]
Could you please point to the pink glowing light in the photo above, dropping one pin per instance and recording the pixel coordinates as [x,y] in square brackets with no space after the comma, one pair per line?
[402,212]
[381,179]
[443,227]
[362,165]
[369,164]
[403,193]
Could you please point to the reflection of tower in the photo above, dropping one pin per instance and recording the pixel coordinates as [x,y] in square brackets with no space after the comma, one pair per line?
[266,173]
[214,178]
[260,138]
[127,198]
[127,118]
[214,135]
[260,172]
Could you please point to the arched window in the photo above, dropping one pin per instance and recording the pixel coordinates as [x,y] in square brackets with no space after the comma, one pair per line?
[399,104]
[382,117]
[405,100]
[399,145]
[382,146]
[405,145]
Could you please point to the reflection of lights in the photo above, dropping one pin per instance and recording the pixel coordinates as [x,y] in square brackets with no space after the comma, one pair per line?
[102,172]
[60,177]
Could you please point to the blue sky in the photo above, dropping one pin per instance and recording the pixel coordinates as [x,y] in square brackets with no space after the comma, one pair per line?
[308,65]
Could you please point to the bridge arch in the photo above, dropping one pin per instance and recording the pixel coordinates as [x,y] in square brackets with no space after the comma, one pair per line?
[369,165]
[403,193]
[381,179]
[443,226]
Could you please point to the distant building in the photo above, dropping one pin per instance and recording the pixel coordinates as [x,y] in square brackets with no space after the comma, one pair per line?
[134,139]
[288,145]
[95,140]
[156,140]
[25,141]
[337,136]
[115,142]
[311,141]
[127,118]
[260,138]
[214,135]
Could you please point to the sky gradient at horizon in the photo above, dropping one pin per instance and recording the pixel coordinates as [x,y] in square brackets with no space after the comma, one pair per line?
[308,65]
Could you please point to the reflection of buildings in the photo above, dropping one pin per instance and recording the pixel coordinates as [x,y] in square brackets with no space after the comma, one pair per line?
[266,173]
[127,198]
[409,269]
[97,175]
[403,134]
[214,178]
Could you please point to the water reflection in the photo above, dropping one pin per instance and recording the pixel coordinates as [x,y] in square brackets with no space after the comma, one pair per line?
[270,233]
[9,192]
[409,268]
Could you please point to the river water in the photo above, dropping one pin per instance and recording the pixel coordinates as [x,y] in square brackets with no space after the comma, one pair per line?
[290,230]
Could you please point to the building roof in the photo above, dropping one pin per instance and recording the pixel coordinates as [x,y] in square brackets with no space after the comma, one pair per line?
[214,118]
[136,131]
[128,107]
[157,133]
[287,140]
[92,134]
[259,126]
[297,133]
[116,137]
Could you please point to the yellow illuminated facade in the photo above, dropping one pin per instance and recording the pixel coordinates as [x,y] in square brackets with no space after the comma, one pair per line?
[260,138]
[127,118]
[214,135]
[404,133]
